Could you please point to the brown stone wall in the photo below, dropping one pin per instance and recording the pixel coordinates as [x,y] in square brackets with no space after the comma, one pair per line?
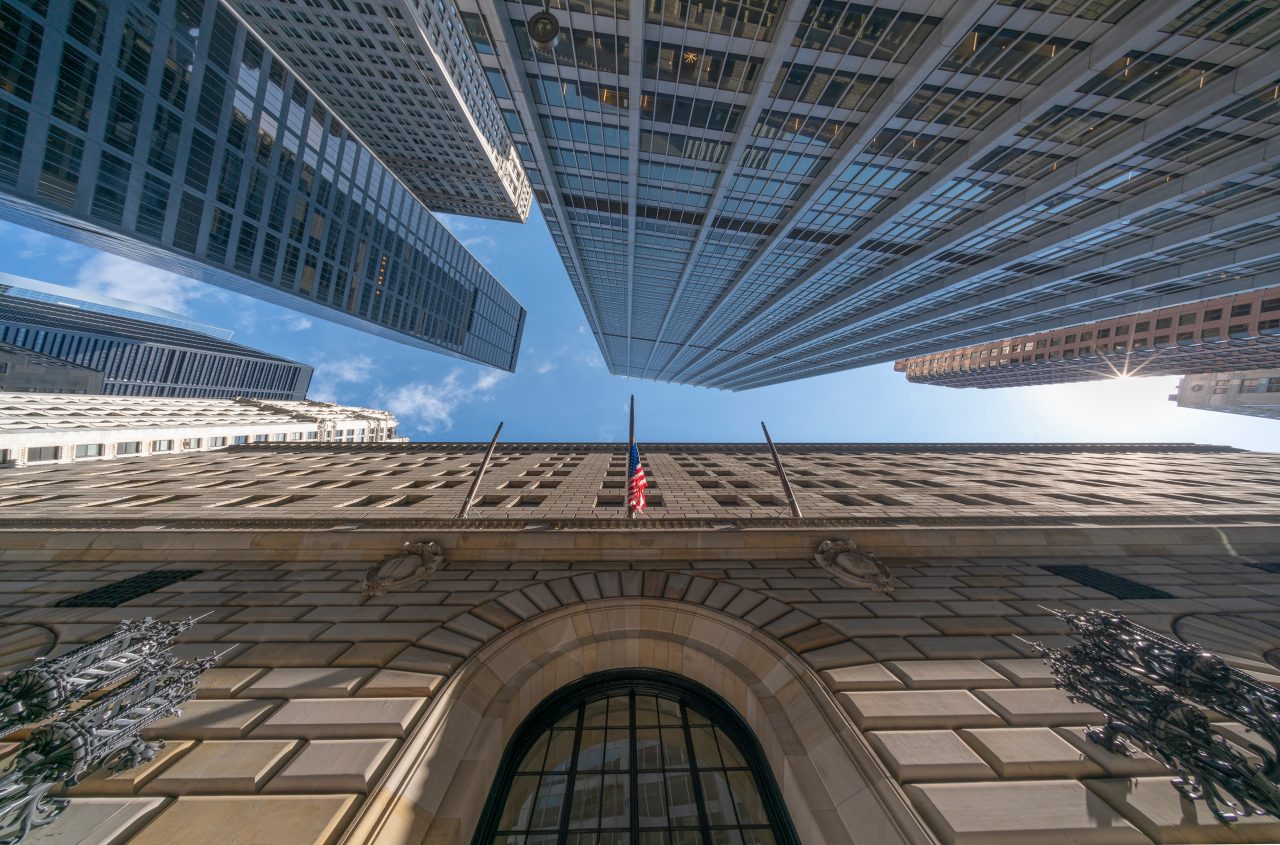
[320,690]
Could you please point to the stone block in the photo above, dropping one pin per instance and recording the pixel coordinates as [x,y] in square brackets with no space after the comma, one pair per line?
[918,709]
[394,682]
[888,648]
[249,820]
[224,682]
[341,718]
[128,782]
[306,683]
[368,654]
[872,676]
[928,756]
[1159,811]
[1039,708]
[1021,813]
[840,654]
[273,655]
[957,646]
[213,719]
[228,767]
[1116,765]
[1024,671]
[97,821]
[947,674]
[333,765]
[1030,753]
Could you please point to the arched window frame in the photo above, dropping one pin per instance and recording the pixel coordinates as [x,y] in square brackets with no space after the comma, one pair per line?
[603,685]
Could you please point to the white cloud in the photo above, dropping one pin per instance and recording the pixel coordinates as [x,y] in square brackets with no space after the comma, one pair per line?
[330,374]
[112,275]
[296,323]
[545,367]
[473,234]
[431,406]
[593,359]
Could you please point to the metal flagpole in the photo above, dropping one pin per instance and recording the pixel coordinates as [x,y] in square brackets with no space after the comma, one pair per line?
[631,442]
[475,482]
[782,474]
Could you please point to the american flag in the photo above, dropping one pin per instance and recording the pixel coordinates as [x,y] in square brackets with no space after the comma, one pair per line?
[637,484]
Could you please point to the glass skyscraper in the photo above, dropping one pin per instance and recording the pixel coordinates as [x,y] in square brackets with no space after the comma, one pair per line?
[141,358]
[748,192]
[165,131]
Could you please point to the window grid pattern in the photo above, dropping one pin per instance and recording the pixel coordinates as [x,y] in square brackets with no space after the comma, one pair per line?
[633,769]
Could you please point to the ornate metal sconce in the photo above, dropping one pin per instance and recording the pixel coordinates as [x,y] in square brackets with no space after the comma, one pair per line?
[1116,668]
[107,731]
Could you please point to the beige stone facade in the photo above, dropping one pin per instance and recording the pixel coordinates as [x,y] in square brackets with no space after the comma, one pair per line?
[914,716]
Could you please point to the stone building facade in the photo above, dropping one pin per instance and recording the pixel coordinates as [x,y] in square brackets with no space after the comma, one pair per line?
[1252,393]
[912,713]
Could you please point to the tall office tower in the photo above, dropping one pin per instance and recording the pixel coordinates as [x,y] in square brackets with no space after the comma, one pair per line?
[21,287]
[717,670]
[746,193]
[167,133]
[140,358]
[404,77]
[1238,332]
[1253,393]
[22,370]
[40,429]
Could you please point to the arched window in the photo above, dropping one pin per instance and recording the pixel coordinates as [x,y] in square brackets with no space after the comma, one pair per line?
[634,758]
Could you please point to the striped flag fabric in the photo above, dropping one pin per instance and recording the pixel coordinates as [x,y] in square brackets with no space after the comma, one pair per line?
[636,482]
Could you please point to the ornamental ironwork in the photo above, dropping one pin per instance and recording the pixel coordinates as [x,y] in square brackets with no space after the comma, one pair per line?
[146,683]
[1152,690]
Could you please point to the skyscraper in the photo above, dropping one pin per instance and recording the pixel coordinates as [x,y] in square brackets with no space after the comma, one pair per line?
[25,371]
[746,193]
[1251,393]
[43,429]
[1238,332]
[169,134]
[141,358]
[549,672]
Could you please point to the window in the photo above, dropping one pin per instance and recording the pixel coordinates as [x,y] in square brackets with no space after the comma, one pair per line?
[129,447]
[1164,323]
[639,757]
[216,442]
[1187,319]
[43,453]
[191,443]
[1242,310]
[161,445]
[89,450]
[241,439]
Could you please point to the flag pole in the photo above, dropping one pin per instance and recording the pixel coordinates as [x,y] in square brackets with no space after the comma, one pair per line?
[464,512]
[782,474]
[631,441]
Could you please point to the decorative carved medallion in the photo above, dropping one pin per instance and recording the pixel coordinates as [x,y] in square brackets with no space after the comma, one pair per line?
[413,565]
[853,567]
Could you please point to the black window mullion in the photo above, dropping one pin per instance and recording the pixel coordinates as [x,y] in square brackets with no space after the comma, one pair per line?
[704,820]
[571,777]
[633,766]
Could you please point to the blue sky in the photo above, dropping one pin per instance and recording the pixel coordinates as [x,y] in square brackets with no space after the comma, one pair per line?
[562,391]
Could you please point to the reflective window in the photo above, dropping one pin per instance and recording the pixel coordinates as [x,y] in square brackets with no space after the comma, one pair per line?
[633,759]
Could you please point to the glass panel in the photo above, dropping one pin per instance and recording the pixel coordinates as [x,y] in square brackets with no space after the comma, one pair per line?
[591,750]
[716,797]
[515,816]
[615,810]
[685,837]
[646,710]
[619,711]
[680,797]
[532,761]
[559,752]
[674,751]
[732,756]
[726,837]
[647,749]
[651,800]
[617,753]
[704,748]
[758,836]
[585,809]
[668,711]
[696,718]
[747,799]
[546,810]
[595,714]
[655,837]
